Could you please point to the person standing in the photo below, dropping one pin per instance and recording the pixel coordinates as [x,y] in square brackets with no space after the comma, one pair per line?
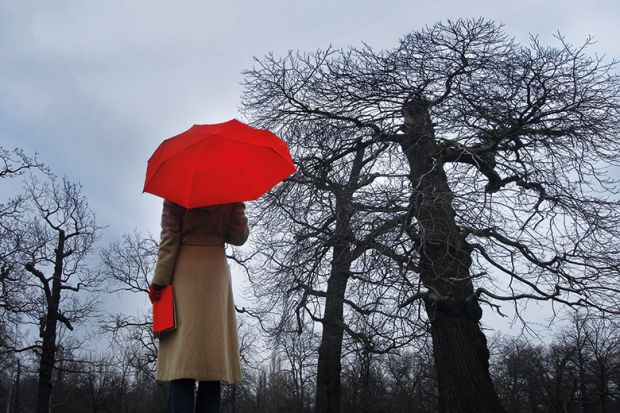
[204,347]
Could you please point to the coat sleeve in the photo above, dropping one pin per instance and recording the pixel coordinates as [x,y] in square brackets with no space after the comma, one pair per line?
[238,229]
[171,225]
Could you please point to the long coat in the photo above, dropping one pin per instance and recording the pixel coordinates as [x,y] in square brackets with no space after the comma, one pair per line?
[205,345]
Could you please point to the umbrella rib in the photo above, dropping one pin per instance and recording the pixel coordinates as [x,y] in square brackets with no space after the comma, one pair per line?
[245,175]
[195,167]
[164,161]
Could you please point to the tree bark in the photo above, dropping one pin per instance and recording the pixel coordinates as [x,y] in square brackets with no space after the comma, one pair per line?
[459,346]
[366,396]
[48,352]
[330,350]
[583,392]
[47,364]
[16,403]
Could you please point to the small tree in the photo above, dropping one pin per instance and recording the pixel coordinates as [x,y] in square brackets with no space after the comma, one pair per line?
[595,358]
[521,375]
[412,379]
[128,265]
[59,232]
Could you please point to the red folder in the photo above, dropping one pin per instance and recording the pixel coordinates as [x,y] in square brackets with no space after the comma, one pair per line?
[164,318]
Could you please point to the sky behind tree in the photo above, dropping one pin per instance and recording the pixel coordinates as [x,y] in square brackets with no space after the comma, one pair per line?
[94,87]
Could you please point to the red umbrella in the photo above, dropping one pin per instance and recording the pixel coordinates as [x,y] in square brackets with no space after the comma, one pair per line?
[217,164]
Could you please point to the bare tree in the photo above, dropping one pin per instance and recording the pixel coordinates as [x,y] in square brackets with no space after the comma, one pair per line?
[521,376]
[505,149]
[595,344]
[128,265]
[365,389]
[603,343]
[562,384]
[12,300]
[320,252]
[59,232]
[300,356]
[574,373]
[95,385]
[412,380]
[10,373]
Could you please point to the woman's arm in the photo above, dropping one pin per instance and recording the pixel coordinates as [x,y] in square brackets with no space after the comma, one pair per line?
[171,224]
[238,230]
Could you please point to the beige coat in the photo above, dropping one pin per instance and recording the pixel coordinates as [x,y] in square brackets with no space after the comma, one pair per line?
[205,345]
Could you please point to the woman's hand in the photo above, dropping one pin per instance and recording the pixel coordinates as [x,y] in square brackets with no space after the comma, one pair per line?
[155,292]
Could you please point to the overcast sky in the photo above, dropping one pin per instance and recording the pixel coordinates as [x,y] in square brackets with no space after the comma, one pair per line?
[95,86]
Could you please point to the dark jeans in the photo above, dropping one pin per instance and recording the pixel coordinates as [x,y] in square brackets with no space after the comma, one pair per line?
[182,396]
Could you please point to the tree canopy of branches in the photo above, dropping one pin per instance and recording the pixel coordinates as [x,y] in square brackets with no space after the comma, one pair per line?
[578,371]
[324,236]
[504,151]
[16,162]
[12,164]
[128,264]
[55,231]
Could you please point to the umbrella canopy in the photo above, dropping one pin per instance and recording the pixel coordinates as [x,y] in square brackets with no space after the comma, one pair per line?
[217,164]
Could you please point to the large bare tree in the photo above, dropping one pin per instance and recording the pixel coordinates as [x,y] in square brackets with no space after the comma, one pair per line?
[505,150]
[325,252]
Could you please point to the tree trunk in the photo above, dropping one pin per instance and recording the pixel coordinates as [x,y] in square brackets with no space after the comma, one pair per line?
[14,401]
[330,350]
[583,399]
[47,364]
[9,399]
[366,397]
[298,383]
[48,352]
[459,346]
[602,387]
